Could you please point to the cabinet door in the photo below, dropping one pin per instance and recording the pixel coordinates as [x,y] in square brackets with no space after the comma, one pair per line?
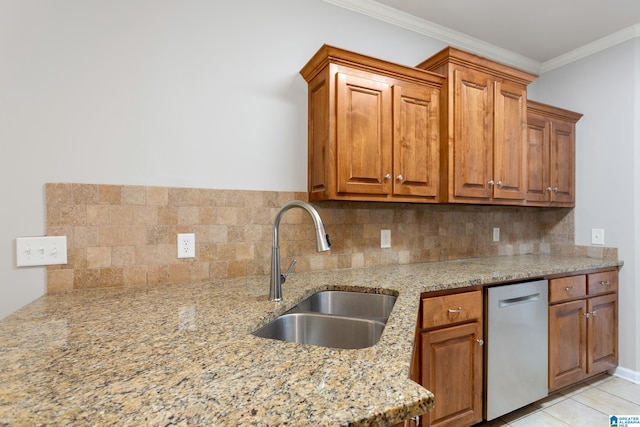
[537,175]
[567,343]
[602,333]
[363,135]
[452,370]
[416,140]
[509,143]
[562,162]
[473,134]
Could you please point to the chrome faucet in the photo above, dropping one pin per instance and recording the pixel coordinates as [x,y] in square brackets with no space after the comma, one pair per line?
[322,245]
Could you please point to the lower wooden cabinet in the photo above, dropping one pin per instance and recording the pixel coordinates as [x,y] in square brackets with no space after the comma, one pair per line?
[451,358]
[583,327]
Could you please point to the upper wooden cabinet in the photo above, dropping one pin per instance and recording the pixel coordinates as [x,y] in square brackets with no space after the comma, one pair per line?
[373,129]
[551,151]
[485,120]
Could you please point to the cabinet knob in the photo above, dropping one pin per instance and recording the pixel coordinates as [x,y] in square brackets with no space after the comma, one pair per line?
[548,189]
[587,315]
[387,176]
[499,184]
[399,178]
[605,282]
[455,310]
[593,313]
[569,289]
[555,189]
[480,342]
[490,183]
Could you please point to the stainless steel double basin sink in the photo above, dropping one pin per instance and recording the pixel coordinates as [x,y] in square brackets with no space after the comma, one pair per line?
[335,319]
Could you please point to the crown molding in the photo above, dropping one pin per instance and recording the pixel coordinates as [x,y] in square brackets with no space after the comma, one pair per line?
[463,41]
[606,42]
[431,29]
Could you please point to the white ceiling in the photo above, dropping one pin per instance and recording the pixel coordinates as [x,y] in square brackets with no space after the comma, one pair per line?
[535,34]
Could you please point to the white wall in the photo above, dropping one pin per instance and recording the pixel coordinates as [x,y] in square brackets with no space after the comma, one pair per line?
[605,88]
[194,93]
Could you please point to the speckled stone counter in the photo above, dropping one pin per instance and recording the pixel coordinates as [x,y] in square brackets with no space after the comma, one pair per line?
[183,354]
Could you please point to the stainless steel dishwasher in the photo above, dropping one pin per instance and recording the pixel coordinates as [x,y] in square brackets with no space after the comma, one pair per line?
[516,346]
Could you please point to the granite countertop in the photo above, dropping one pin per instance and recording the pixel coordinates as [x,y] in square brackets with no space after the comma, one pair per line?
[184,355]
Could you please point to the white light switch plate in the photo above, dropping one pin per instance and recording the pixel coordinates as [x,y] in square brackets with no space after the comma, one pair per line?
[597,236]
[385,239]
[44,250]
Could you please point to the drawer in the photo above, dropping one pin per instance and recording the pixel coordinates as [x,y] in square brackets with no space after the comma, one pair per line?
[600,283]
[566,288]
[447,309]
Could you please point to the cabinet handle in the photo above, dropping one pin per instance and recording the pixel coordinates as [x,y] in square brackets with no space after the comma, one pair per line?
[480,342]
[569,289]
[555,189]
[548,189]
[387,176]
[455,310]
[490,183]
[605,282]
[593,313]
[499,184]
[587,315]
[399,178]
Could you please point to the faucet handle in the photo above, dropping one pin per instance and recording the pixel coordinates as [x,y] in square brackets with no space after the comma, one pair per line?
[283,277]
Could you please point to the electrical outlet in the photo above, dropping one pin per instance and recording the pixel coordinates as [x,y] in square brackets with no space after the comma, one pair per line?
[496,234]
[186,245]
[597,236]
[385,239]
[45,250]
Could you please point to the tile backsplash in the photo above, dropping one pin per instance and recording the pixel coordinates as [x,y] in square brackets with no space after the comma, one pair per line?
[120,235]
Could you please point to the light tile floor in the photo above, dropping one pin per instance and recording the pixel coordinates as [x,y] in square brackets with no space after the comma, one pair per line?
[587,404]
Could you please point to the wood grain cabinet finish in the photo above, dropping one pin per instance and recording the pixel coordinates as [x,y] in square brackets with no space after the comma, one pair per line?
[583,327]
[451,358]
[485,121]
[550,173]
[374,129]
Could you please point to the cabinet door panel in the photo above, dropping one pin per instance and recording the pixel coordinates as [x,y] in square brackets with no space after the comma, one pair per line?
[510,154]
[452,370]
[562,148]
[363,135]
[416,140]
[602,334]
[536,177]
[567,343]
[473,141]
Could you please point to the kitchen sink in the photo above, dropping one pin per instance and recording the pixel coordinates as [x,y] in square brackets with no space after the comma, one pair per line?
[350,304]
[323,330]
[335,319]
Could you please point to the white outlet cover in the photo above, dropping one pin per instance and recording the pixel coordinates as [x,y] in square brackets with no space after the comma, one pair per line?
[186,245]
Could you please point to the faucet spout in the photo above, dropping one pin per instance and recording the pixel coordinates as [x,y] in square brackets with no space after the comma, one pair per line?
[322,244]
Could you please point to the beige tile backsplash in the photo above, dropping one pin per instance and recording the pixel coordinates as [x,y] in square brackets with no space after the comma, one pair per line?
[120,235]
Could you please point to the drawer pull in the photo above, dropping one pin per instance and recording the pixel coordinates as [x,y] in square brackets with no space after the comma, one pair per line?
[605,282]
[569,289]
[455,310]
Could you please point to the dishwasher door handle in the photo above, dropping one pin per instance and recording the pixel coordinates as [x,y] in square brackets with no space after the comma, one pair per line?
[519,300]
